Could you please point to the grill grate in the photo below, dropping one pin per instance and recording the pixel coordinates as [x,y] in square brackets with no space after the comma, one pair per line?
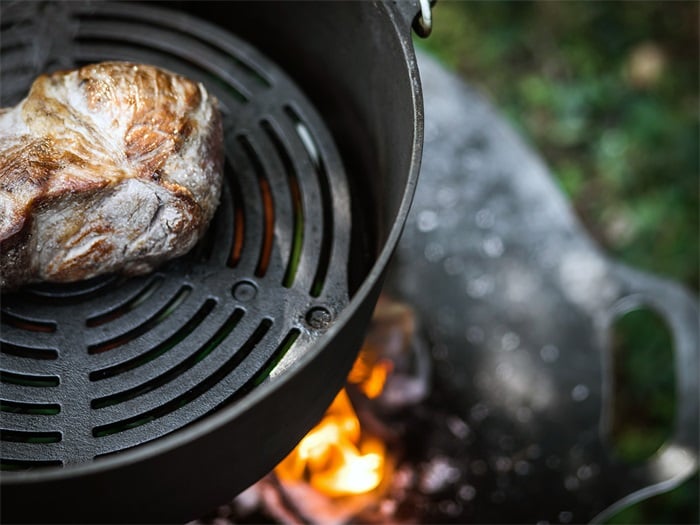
[104,365]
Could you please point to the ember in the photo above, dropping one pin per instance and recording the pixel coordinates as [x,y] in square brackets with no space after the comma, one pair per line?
[336,457]
[340,456]
[345,466]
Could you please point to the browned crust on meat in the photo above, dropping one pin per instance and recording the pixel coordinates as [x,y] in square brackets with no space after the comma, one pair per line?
[156,129]
[69,151]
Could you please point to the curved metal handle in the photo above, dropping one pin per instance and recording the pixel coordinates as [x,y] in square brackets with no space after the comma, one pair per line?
[418,14]
[423,23]
[677,459]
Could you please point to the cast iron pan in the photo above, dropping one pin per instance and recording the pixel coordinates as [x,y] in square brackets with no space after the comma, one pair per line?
[157,398]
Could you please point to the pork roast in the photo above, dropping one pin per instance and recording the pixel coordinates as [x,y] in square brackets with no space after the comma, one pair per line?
[112,167]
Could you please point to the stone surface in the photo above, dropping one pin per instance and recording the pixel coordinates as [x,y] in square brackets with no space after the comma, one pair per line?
[517,299]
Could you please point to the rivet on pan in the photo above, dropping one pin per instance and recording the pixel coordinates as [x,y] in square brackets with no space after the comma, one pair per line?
[244,291]
[319,317]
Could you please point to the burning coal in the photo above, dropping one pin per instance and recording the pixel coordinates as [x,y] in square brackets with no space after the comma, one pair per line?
[346,466]
[336,457]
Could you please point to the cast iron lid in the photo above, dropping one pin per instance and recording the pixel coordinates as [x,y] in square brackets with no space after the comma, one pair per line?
[98,367]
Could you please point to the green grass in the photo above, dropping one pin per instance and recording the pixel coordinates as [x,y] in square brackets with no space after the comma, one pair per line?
[607,93]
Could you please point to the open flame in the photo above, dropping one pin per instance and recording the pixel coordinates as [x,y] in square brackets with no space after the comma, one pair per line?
[337,457]
[345,469]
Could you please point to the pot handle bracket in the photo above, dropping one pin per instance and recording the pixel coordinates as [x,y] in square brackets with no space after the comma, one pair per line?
[677,459]
[418,14]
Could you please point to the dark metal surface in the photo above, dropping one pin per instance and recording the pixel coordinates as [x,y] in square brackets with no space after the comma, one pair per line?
[519,303]
[198,379]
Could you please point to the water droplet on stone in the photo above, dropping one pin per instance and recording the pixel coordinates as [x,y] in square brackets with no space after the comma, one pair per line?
[427,220]
[480,286]
[571,483]
[504,371]
[485,218]
[549,353]
[447,197]
[479,412]
[510,341]
[458,427]
[503,464]
[493,246]
[449,507]
[437,475]
[579,393]
[434,252]
[584,472]
[467,492]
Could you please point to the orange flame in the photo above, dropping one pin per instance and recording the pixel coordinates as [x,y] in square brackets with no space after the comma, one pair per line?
[336,457]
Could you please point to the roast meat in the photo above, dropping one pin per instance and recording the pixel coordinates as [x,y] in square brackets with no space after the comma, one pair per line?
[112,167]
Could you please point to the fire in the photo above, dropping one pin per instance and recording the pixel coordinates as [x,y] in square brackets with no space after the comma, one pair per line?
[337,457]
[369,373]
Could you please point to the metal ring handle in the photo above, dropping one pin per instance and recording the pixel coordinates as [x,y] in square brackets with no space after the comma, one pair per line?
[423,24]
[677,459]
[416,14]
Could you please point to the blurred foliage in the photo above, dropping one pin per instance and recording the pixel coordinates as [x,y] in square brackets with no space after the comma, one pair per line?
[608,94]
[643,411]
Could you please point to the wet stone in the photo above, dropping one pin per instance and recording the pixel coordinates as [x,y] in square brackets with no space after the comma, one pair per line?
[522,468]
[437,475]
[580,393]
[480,286]
[479,467]
[458,427]
[427,221]
[485,218]
[434,252]
[510,341]
[467,492]
[584,472]
[479,412]
[493,246]
[549,353]
[565,516]
[571,483]
[498,497]
[453,265]
[475,334]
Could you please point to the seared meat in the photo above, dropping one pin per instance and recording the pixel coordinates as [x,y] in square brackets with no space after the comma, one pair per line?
[113,167]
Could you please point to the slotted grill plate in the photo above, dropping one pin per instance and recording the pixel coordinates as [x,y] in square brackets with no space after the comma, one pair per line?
[100,366]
